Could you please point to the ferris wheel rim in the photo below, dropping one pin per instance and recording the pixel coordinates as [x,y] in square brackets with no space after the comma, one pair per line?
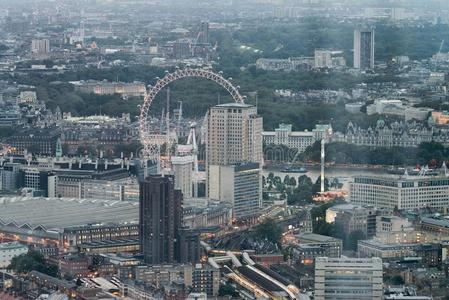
[153,91]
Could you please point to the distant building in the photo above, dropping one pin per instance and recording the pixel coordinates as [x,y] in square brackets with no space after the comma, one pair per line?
[289,64]
[354,108]
[126,189]
[364,48]
[215,213]
[10,250]
[203,34]
[334,275]
[41,46]
[35,141]
[394,192]
[27,97]
[440,117]
[283,135]
[9,177]
[329,59]
[398,134]
[124,89]
[392,224]
[330,246]
[430,254]
[435,225]
[161,275]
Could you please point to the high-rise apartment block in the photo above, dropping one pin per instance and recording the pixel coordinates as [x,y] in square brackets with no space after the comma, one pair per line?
[40,46]
[348,278]
[364,48]
[159,218]
[163,239]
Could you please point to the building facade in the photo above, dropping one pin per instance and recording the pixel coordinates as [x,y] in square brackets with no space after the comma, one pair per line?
[364,48]
[283,135]
[406,192]
[348,278]
[234,134]
[160,218]
[329,58]
[10,250]
[183,171]
[237,184]
[125,89]
[40,46]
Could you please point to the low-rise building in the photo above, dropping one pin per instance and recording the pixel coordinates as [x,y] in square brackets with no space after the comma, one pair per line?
[332,246]
[125,89]
[329,58]
[10,250]
[392,224]
[394,192]
[348,278]
[203,279]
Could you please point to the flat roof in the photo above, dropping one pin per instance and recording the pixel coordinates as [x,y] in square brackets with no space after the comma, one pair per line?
[313,237]
[234,104]
[60,213]
[12,245]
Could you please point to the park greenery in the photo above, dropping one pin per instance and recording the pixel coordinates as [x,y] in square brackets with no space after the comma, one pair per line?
[32,261]
[269,230]
[301,38]
[297,191]
[428,153]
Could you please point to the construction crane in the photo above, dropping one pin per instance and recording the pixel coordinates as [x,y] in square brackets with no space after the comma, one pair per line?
[441,47]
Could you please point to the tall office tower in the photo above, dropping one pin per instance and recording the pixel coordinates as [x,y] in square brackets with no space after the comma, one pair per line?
[364,48]
[234,137]
[234,134]
[159,219]
[183,172]
[40,46]
[348,278]
[203,35]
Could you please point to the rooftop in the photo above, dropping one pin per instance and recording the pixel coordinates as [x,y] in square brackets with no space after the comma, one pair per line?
[313,237]
[11,246]
[234,104]
[59,213]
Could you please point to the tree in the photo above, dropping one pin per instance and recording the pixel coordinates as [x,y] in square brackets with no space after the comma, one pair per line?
[269,230]
[227,289]
[316,188]
[32,261]
[287,179]
[292,181]
[397,280]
